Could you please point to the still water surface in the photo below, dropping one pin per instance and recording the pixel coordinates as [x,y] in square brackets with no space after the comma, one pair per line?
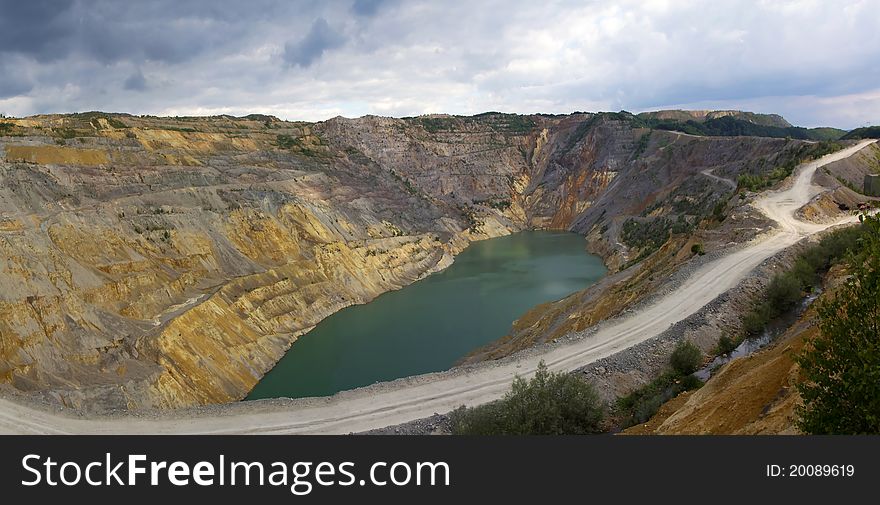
[429,325]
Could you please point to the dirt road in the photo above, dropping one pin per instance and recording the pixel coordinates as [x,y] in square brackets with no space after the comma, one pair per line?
[403,400]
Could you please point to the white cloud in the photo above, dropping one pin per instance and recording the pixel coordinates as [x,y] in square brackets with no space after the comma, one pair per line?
[815,62]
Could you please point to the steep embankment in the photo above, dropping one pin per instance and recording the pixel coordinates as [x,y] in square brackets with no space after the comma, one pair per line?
[416,397]
[168,263]
[751,395]
[757,394]
[650,231]
[158,262]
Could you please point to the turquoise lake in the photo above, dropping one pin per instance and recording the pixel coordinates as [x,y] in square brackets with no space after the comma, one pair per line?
[430,324]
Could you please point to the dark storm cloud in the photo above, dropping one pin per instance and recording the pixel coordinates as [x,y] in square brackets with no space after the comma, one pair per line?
[136,82]
[114,31]
[40,29]
[320,38]
[815,61]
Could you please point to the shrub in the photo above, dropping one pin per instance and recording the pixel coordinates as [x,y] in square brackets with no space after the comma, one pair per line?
[754,322]
[783,292]
[548,404]
[686,358]
[689,382]
[285,141]
[726,345]
[841,392]
[640,405]
[650,234]
[787,288]
[698,249]
[718,211]
[646,408]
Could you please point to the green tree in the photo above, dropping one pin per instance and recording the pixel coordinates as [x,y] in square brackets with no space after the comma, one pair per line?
[726,345]
[548,404]
[686,358]
[841,391]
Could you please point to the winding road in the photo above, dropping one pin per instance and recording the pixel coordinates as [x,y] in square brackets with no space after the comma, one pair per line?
[403,400]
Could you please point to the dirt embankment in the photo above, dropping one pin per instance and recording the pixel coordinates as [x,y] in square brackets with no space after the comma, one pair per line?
[163,263]
[626,339]
[751,395]
[167,262]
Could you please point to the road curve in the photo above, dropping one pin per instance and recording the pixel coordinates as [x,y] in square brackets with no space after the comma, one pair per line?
[407,399]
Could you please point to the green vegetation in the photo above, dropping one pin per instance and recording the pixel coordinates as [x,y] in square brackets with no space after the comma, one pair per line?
[640,405]
[787,289]
[719,208]
[726,345]
[112,121]
[686,358]
[824,133]
[641,145]
[355,155]
[115,123]
[285,142]
[841,392]
[438,124]
[499,204]
[405,182]
[758,182]
[548,404]
[67,133]
[470,215]
[505,123]
[261,117]
[650,234]
[729,126]
[726,126]
[698,249]
[868,132]
[299,145]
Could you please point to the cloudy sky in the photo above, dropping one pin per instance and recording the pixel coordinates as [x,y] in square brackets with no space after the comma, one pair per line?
[816,62]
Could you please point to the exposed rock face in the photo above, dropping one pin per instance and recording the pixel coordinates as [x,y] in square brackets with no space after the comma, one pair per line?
[702,115]
[150,262]
[673,181]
